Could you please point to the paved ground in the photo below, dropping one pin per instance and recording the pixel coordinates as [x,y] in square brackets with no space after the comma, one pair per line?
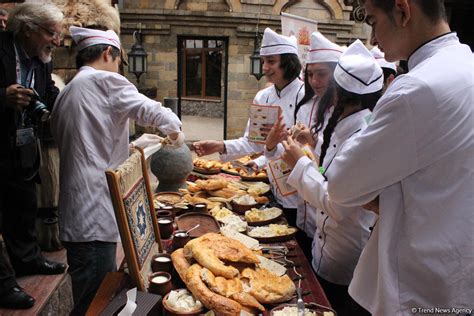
[201,128]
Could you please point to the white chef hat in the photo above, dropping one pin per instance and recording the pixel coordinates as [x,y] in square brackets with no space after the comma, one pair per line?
[84,37]
[357,70]
[323,50]
[276,44]
[380,58]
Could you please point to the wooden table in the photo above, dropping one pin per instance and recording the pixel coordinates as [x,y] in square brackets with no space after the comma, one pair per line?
[312,290]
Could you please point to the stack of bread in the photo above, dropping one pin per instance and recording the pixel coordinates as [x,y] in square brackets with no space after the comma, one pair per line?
[225,276]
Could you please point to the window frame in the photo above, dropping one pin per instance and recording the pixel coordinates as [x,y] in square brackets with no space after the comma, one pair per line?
[202,52]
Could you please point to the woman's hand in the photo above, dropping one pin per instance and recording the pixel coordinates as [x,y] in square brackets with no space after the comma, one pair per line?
[277,133]
[292,153]
[207,147]
[303,135]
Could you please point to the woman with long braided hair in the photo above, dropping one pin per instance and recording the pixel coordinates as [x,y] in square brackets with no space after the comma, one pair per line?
[341,232]
[321,61]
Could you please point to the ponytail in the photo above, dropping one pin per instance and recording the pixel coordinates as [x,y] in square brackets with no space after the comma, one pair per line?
[344,98]
[336,114]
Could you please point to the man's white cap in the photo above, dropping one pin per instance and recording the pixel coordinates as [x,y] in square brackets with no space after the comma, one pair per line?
[380,58]
[357,70]
[84,37]
[323,50]
[276,44]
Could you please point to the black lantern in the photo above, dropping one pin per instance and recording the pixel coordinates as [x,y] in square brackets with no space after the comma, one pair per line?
[137,57]
[255,61]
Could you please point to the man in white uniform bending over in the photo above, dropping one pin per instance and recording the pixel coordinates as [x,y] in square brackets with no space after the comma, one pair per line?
[417,155]
[90,125]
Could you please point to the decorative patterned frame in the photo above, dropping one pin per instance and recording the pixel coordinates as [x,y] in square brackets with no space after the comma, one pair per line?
[132,198]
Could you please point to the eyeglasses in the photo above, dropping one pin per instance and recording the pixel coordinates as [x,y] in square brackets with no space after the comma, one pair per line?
[57,35]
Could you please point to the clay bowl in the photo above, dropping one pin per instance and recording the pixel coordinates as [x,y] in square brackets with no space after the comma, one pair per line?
[169,311]
[242,208]
[161,262]
[160,283]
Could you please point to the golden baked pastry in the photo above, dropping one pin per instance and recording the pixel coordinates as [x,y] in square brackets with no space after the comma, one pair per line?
[207,164]
[212,184]
[218,303]
[193,188]
[267,287]
[207,258]
[230,288]
[227,248]
[180,263]
[226,193]
[211,248]
[220,285]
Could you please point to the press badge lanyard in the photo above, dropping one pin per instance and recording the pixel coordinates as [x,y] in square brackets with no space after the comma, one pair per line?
[29,80]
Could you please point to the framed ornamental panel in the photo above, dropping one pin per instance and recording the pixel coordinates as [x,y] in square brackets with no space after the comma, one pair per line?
[133,204]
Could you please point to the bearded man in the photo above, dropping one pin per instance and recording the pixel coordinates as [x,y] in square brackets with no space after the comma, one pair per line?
[27,94]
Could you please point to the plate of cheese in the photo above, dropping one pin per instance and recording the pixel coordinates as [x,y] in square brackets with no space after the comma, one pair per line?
[272,233]
[262,217]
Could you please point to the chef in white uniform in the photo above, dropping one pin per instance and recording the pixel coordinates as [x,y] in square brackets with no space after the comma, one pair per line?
[281,67]
[90,125]
[341,232]
[320,64]
[417,155]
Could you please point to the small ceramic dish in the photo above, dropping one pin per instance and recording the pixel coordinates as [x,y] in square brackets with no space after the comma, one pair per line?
[168,310]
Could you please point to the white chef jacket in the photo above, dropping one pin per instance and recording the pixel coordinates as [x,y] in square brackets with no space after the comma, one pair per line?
[417,155]
[306,213]
[341,232]
[90,124]
[286,99]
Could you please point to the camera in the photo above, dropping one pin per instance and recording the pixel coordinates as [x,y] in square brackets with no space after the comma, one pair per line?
[37,108]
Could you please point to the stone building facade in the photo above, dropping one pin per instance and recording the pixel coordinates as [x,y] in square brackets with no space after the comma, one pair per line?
[166,24]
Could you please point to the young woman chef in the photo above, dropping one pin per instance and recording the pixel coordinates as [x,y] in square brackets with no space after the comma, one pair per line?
[320,64]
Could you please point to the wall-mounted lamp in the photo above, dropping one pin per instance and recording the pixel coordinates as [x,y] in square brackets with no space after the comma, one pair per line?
[137,56]
[255,60]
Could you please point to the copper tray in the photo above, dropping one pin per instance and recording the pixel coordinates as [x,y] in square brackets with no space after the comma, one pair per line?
[207,223]
[207,171]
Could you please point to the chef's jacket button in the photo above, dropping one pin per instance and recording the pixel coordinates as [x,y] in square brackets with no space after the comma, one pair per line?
[322,213]
[319,236]
[334,145]
[371,228]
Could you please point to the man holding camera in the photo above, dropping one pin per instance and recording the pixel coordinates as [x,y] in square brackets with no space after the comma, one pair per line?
[27,94]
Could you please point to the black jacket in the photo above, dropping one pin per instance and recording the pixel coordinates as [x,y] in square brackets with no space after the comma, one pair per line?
[9,118]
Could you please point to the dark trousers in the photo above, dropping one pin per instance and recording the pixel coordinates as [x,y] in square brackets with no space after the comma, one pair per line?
[340,299]
[18,211]
[88,263]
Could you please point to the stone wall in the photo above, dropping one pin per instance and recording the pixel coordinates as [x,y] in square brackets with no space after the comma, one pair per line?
[202,108]
[162,22]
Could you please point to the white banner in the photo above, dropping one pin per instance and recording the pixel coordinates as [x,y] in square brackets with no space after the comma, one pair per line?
[301,28]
